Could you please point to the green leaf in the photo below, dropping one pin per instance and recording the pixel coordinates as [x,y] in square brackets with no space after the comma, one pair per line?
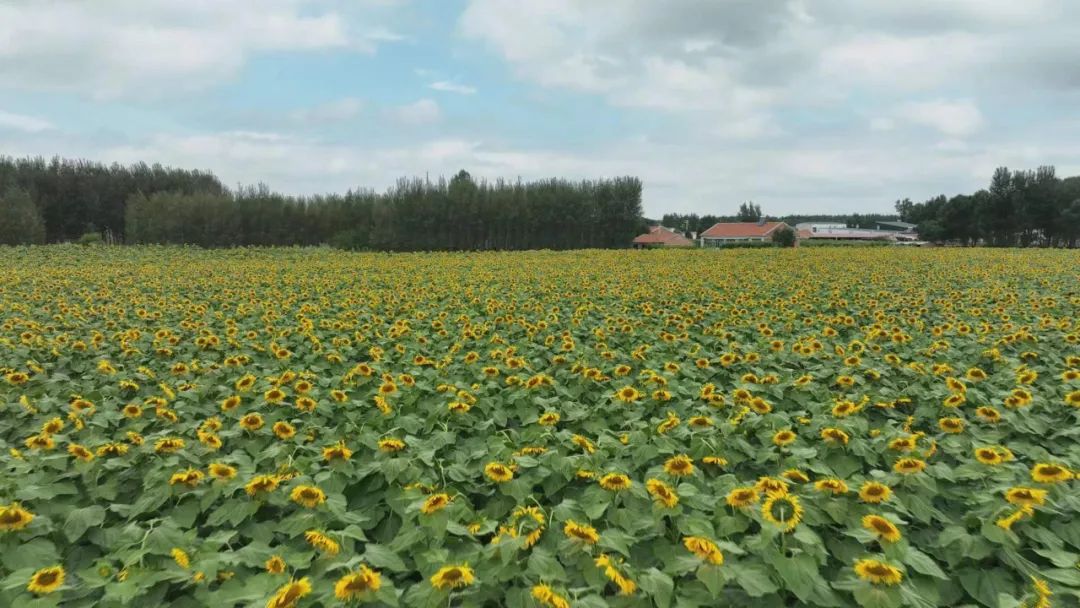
[986,584]
[545,566]
[381,556]
[713,577]
[799,573]
[754,579]
[34,554]
[923,564]
[659,586]
[870,596]
[80,520]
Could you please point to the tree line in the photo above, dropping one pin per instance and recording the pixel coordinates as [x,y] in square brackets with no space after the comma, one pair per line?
[751,212]
[62,200]
[1019,209]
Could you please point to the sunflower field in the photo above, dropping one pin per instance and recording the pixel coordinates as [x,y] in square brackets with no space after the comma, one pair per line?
[310,428]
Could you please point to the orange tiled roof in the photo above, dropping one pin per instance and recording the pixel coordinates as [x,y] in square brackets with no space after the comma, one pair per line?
[658,235]
[729,230]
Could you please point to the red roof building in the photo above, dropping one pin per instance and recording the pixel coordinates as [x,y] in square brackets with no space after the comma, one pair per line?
[659,236]
[725,232]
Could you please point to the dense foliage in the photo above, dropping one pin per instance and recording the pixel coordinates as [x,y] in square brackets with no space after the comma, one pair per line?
[153,204]
[299,428]
[1019,209]
[694,223]
[74,197]
[22,223]
[413,215]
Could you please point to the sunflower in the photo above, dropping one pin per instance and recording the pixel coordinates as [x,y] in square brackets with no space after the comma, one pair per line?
[742,498]
[700,422]
[53,426]
[453,577]
[275,565]
[189,478]
[283,430]
[322,542]
[581,532]
[46,580]
[1073,399]
[951,425]
[771,486]
[909,466]
[1007,522]
[112,449]
[625,585]
[435,502]
[1050,473]
[261,484]
[288,594]
[704,548]
[180,557]
[251,422]
[679,466]
[877,572]
[80,452]
[975,374]
[274,395]
[782,510]
[627,394]
[222,471]
[1025,496]
[988,414]
[795,476]
[833,485]
[760,406]
[874,493]
[336,452]
[549,419]
[13,518]
[989,456]
[883,528]
[955,385]
[615,482]
[904,444]
[306,404]
[498,472]
[954,400]
[662,493]
[168,445]
[230,403]
[307,496]
[546,596]
[784,437]
[40,442]
[834,435]
[669,423]
[716,461]
[358,584]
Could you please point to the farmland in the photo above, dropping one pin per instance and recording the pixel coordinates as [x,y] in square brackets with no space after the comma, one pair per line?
[307,427]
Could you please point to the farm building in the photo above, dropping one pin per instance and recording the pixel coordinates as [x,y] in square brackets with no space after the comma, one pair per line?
[723,233]
[896,226]
[840,232]
[661,236]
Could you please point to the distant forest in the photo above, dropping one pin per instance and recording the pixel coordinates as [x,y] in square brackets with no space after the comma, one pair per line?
[70,200]
[1019,209]
[58,200]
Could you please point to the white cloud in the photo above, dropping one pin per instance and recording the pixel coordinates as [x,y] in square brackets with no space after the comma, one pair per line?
[23,122]
[952,118]
[329,112]
[452,87]
[420,112]
[156,47]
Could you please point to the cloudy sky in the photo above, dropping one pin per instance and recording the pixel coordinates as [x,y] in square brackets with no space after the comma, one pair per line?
[800,105]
